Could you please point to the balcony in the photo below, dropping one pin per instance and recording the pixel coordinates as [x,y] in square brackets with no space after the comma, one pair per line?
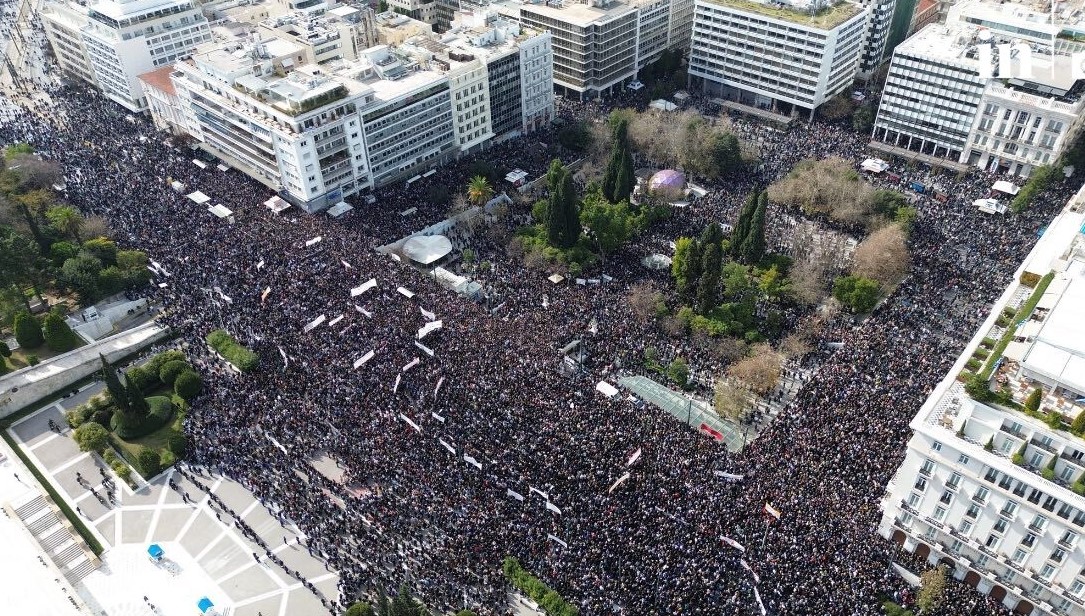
[1078,462]
[1037,443]
[1012,432]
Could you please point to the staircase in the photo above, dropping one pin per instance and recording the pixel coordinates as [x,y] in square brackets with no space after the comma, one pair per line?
[56,538]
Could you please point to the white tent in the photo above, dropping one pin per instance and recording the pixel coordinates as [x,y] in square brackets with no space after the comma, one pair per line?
[426,249]
[556,278]
[1006,187]
[657,261]
[663,105]
[199,197]
[276,204]
[177,186]
[874,165]
[681,96]
[516,176]
[339,209]
[606,389]
[990,206]
[199,163]
[220,210]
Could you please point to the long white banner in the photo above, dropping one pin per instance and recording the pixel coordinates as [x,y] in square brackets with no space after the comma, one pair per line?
[447,446]
[620,481]
[425,349]
[311,325]
[515,494]
[410,423]
[555,539]
[364,358]
[429,315]
[414,362]
[473,462]
[369,284]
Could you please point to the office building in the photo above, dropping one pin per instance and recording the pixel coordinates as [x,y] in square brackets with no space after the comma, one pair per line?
[788,58]
[878,30]
[339,33]
[111,43]
[988,487]
[952,93]
[600,45]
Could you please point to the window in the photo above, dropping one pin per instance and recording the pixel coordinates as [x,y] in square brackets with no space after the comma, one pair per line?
[1034,496]
[1047,572]
[981,561]
[939,513]
[1064,511]
[1039,523]
[936,446]
[954,481]
[1069,538]
[1005,482]
[992,542]
[973,511]
[1029,540]
[1058,555]
[1020,489]
[965,527]
[947,497]
[1019,556]
[1050,502]
[1079,518]
[1076,587]
[955,547]
[1009,509]
[999,526]
[962,459]
[1067,473]
[981,494]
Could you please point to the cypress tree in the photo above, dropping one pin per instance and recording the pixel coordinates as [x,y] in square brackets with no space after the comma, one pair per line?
[554,217]
[753,245]
[742,227]
[708,292]
[625,180]
[618,180]
[570,211]
[113,384]
[693,277]
[137,404]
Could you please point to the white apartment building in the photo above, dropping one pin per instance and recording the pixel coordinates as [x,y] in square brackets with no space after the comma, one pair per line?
[993,492]
[600,45]
[111,42]
[788,58]
[877,34]
[422,10]
[339,33]
[936,101]
[320,132]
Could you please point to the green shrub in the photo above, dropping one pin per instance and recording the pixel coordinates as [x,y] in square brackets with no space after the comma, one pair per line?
[233,352]
[5,350]
[91,437]
[155,363]
[981,353]
[149,462]
[360,609]
[988,343]
[539,592]
[127,426]
[1032,403]
[176,442]
[75,417]
[144,379]
[168,458]
[58,336]
[103,249]
[857,293]
[973,364]
[171,370]
[121,469]
[28,331]
[33,360]
[188,385]
[60,252]
[102,416]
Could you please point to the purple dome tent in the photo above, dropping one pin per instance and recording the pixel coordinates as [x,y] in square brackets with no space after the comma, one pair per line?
[667,179]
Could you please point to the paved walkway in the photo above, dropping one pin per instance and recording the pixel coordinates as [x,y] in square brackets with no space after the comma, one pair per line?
[206,555]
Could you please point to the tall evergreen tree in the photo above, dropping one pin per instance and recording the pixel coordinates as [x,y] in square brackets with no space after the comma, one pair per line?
[113,384]
[137,404]
[555,218]
[712,234]
[618,179]
[742,227]
[694,269]
[570,209]
[753,245]
[708,292]
[625,180]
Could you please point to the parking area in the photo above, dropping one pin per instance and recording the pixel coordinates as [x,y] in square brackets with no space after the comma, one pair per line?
[206,555]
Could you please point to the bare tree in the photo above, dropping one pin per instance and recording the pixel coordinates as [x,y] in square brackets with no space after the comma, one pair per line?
[794,345]
[760,371]
[808,282]
[729,400]
[35,173]
[96,226]
[674,327]
[644,298]
[728,349]
[830,186]
[883,256]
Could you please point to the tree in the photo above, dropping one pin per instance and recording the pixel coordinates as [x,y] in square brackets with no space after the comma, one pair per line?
[5,350]
[91,436]
[729,400]
[742,225]
[150,462]
[18,256]
[618,179]
[58,335]
[772,283]
[188,385]
[382,6]
[883,256]
[678,372]
[1078,425]
[103,249]
[28,331]
[863,119]
[686,266]
[932,589]
[60,252]
[66,219]
[113,384]
[645,301]
[137,404]
[753,245]
[708,289]
[857,293]
[563,222]
[81,274]
[611,225]
[479,190]
[1032,403]
[361,608]
[170,370]
[760,371]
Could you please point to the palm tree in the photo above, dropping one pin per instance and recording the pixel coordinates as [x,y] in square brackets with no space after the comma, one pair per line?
[479,190]
[67,220]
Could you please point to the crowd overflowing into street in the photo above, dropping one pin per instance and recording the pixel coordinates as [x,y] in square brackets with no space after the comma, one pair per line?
[481,448]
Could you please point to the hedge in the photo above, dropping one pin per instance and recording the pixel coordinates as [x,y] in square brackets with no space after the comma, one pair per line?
[161,410]
[188,385]
[232,351]
[548,599]
[1007,336]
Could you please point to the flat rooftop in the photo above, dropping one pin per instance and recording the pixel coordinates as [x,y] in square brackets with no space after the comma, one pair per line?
[576,13]
[825,16]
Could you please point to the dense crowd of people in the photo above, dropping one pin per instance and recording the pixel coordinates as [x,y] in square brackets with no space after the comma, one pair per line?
[485,449]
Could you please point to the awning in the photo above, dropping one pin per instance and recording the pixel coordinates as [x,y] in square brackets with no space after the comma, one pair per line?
[339,209]
[199,197]
[606,389]
[204,604]
[516,175]
[177,186]
[1006,187]
[277,204]
[874,165]
[199,163]
[990,206]
[681,96]
[663,105]
[556,278]
[155,551]
[426,249]
[220,210]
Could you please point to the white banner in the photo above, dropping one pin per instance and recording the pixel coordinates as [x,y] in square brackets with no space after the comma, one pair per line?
[746,566]
[286,362]
[335,320]
[311,325]
[395,388]
[620,481]
[539,492]
[440,382]
[633,458]
[276,443]
[773,511]
[345,264]
[429,315]
[364,358]
[553,507]
[731,542]
[263,296]
[405,292]
[409,422]
[729,476]
[313,242]
[429,327]
[515,494]
[473,462]
[555,539]
[757,595]
[414,362]
[367,285]
[425,349]
[437,417]
[260,265]
[369,315]
[447,446]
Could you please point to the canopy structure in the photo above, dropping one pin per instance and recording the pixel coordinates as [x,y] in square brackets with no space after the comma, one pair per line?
[277,204]
[177,186]
[1009,188]
[516,176]
[681,96]
[657,262]
[199,163]
[205,605]
[667,179]
[199,197]
[990,206]
[426,249]
[556,278]
[606,389]
[874,165]
[220,210]
[663,105]
[155,551]
[339,209]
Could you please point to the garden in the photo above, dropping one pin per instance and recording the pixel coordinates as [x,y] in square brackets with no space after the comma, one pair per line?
[139,422]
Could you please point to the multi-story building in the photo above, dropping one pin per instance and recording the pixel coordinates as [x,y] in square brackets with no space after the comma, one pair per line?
[321,132]
[952,91]
[992,489]
[162,101]
[600,45]
[394,29]
[119,40]
[340,33]
[786,57]
[878,30]
[422,10]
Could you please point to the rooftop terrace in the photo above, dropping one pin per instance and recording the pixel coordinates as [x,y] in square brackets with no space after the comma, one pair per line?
[823,15]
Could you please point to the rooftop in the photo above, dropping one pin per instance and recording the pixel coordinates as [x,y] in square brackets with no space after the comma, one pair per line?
[160,80]
[576,13]
[823,15]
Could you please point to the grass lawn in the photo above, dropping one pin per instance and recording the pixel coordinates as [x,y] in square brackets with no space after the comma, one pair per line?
[157,440]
